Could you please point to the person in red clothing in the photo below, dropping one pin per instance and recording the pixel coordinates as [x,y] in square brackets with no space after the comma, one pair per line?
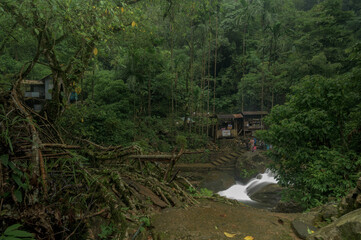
[251,142]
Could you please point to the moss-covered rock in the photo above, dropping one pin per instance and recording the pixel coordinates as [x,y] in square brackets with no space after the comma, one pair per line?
[346,227]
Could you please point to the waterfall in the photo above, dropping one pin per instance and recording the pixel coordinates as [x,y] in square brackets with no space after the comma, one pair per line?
[241,192]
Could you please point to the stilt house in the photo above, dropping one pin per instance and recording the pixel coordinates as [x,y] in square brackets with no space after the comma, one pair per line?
[253,121]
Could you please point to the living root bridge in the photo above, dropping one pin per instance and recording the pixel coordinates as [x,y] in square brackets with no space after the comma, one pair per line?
[76,193]
[170,159]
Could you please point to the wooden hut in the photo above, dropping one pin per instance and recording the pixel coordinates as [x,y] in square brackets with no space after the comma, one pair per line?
[253,121]
[228,125]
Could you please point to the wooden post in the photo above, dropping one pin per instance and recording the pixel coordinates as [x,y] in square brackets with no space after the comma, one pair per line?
[236,126]
[244,128]
[173,161]
[216,134]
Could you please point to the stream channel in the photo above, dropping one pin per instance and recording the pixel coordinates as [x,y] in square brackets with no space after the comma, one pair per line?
[260,192]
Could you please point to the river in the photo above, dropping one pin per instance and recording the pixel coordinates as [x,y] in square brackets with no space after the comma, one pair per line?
[242,192]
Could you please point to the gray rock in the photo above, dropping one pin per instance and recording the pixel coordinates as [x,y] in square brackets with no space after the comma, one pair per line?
[302,229]
[347,227]
[328,212]
[266,193]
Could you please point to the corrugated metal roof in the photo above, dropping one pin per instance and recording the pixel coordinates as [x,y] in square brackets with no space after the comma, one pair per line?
[33,82]
[229,116]
[255,113]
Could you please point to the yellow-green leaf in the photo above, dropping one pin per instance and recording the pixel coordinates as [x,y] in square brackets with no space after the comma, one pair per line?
[133,24]
[229,235]
[249,238]
[95,51]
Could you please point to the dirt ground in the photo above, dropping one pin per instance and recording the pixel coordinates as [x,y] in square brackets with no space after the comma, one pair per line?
[210,219]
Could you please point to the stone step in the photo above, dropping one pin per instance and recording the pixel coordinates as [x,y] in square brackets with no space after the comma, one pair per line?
[201,167]
[225,168]
[224,159]
[217,163]
[234,154]
[228,156]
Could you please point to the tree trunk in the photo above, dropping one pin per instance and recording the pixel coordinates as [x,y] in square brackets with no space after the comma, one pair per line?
[93,83]
[215,69]
[203,87]
[243,62]
[262,60]
[191,72]
[149,98]
[209,71]
[172,70]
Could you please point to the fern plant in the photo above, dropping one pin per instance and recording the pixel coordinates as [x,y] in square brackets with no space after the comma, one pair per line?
[13,233]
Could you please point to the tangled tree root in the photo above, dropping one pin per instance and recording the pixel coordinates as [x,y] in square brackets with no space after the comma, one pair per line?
[52,188]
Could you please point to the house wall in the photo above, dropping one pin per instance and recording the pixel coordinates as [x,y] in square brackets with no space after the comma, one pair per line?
[39,89]
[48,87]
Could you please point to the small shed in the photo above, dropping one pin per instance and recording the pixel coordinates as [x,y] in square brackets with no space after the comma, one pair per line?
[38,88]
[253,121]
[228,125]
[37,91]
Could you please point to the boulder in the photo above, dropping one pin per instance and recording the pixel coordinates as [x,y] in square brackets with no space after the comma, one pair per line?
[347,227]
[266,193]
[327,213]
[302,229]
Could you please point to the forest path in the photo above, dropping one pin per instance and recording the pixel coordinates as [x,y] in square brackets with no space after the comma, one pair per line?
[211,219]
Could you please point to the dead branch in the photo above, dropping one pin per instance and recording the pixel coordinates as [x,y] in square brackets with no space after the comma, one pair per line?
[95,214]
[43,174]
[58,145]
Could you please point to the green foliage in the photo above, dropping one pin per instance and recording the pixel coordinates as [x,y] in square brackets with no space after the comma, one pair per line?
[311,153]
[13,233]
[181,141]
[191,190]
[203,192]
[21,179]
[195,141]
[145,220]
[100,124]
[8,123]
[206,192]
[247,174]
[106,231]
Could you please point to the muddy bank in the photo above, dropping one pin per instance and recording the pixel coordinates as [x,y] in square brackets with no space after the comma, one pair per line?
[211,219]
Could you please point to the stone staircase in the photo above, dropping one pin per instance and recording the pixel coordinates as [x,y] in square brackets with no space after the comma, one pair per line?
[227,162]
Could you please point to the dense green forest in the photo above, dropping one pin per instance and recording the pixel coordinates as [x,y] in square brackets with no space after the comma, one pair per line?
[141,69]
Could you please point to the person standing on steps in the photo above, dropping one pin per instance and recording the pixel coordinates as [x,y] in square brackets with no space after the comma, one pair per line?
[251,143]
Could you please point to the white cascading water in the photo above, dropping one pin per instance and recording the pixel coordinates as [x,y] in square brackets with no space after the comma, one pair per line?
[240,192]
